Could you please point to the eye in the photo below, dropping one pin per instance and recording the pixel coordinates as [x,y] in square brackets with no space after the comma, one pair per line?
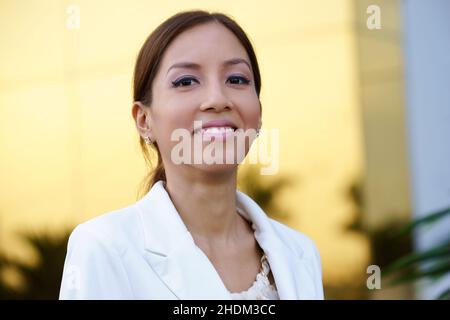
[236,79]
[183,82]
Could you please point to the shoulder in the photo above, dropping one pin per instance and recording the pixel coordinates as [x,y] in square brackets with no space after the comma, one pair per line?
[113,230]
[94,267]
[303,245]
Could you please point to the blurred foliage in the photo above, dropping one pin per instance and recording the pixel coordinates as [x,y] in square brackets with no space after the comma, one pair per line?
[387,248]
[432,263]
[384,247]
[42,279]
[353,288]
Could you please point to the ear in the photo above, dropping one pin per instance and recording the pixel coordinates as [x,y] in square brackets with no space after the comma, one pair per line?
[143,119]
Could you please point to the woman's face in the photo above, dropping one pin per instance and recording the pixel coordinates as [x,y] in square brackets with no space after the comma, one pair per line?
[194,83]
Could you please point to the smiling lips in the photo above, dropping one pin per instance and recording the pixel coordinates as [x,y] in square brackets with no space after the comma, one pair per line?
[216,132]
[219,129]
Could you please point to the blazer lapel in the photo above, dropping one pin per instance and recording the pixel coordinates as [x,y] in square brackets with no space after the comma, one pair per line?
[172,253]
[186,270]
[292,272]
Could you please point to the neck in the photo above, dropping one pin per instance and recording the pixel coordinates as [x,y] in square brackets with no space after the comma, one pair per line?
[207,205]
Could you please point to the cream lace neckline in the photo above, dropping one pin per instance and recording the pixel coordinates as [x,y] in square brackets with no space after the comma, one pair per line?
[261,288]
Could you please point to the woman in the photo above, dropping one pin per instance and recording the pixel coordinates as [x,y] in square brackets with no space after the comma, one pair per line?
[193,235]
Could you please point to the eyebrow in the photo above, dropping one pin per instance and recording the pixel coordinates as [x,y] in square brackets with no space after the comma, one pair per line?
[192,65]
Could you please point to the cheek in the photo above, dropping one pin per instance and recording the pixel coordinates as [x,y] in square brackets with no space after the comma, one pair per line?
[173,114]
[250,112]
[171,111]
[167,118]
[166,127]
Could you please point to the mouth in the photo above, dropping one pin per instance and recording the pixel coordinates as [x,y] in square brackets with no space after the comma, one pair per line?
[216,128]
[215,133]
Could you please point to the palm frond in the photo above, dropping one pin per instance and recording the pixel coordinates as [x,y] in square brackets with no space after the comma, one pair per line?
[433,272]
[429,219]
[415,258]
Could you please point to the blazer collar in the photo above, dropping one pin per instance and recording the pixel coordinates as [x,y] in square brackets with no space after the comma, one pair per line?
[186,270]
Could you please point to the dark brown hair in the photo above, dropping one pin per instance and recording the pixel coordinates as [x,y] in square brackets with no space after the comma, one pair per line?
[149,59]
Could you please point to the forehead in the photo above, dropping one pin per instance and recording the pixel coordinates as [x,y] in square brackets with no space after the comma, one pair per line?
[204,43]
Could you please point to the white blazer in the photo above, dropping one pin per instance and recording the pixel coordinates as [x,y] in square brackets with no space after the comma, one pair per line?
[145,251]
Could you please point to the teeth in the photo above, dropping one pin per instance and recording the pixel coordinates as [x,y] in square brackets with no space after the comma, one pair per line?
[217,130]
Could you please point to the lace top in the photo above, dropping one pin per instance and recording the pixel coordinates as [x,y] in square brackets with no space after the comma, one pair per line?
[261,288]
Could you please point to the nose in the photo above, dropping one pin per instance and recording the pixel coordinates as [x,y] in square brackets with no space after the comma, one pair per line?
[216,99]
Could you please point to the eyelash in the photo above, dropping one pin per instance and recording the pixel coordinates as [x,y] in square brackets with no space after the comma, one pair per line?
[177,83]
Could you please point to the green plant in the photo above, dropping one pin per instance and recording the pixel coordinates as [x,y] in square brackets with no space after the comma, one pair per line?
[433,263]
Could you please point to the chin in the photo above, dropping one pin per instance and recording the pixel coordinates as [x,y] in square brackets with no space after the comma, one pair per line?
[216,169]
